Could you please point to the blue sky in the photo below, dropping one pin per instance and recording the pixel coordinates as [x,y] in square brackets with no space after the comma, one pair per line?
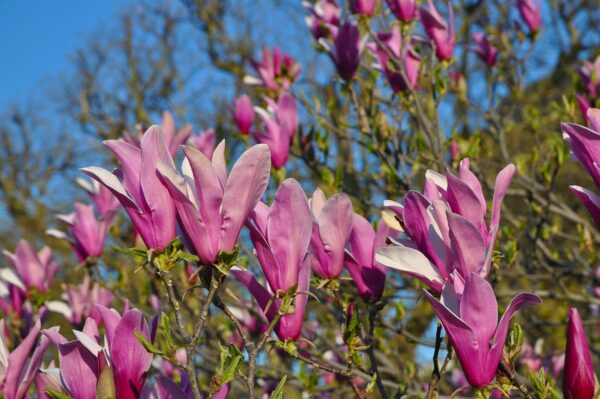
[36,37]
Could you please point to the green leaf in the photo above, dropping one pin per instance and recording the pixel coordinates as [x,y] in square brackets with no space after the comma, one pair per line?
[166,327]
[55,394]
[278,391]
[105,389]
[371,384]
[147,344]
[229,372]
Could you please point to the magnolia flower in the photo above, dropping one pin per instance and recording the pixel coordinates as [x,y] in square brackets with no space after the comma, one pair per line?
[142,193]
[346,50]
[276,71]
[102,197]
[86,233]
[579,381]
[589,73]
[470,318]
[280,122]
[484,50]
[585,147]
[446,234]
[440,31]
[81,300]
[281,235]
[84,360]
[211,205]
[531,13]
[367,273]
[404,10]
[205,142]
[324,19]
[332,225]
[363,7]
[19,367]
[400,80]
[33,270]
[243,114]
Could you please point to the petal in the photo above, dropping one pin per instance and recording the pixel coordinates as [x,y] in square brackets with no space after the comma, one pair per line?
[17,360]
[590,200]
[130,158]
[585,144]
[130,360]
[412,262]
[260,293]
[78,370]
[317,202]
[362,240]
[289,229]
[111,319]
[464,201]
[466,243]
[502,182]
[290,325]
[479,309]
[218,161]
[246,184]
[469,178]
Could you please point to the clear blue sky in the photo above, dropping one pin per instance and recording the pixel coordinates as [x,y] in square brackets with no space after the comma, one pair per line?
[36,37]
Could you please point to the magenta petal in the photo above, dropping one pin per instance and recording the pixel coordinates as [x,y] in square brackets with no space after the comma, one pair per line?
[464,201]
[260,293]
[111,319]
[469,178]
[257,225]
[585,144]
[590,200]
[502,182]
[130,360]
[17,360]
[579,379]
[479,309]
[78,370]
[467,245]
[290,325]
[289,229]
[246,184]
[130,158]
[361,240]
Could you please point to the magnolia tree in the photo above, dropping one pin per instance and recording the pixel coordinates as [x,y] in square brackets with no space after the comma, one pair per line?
[205,270]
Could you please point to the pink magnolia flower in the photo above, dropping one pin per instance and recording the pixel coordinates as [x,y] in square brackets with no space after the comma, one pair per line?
[142,192]
[399,80]
[33,270]
[346,50]
[440,31]
[86,233]
[531,13]
[363,7]
[281,235]
[18,368]
[280,121]
[367,273]
[243,113]
[205,142]
[276,71]
[84,359]
[470,318]
[585,146]
[579,381]
[404,10]
[211,205]
[102,197]
[83,298]
[332,226]
[584,106]
[324,18]
[484,50]
[446,234]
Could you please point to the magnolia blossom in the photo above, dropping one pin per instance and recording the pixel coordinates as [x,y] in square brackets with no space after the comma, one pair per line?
[280,121]
[446,234]
[281,235]
[440,31]
[469,315]
[276,71]
[363,7]
[205,142]
[484,50]
[33,270]
[402,76]
[142,193]
[324,18]
[346,50]
[19,367]
[589,73]
[243,113]
[579,381]
[367,273]
[332,225]
[213,206]
[531,13]
[585,147]
[404,10]
[86,233]
[84,360]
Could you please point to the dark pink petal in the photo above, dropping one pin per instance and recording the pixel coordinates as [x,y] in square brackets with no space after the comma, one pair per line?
[502,182]
[246,184]
[130,158]
[464,201]
[590,200]
[579,379]
[479,309]
[466,243]
[78,370]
